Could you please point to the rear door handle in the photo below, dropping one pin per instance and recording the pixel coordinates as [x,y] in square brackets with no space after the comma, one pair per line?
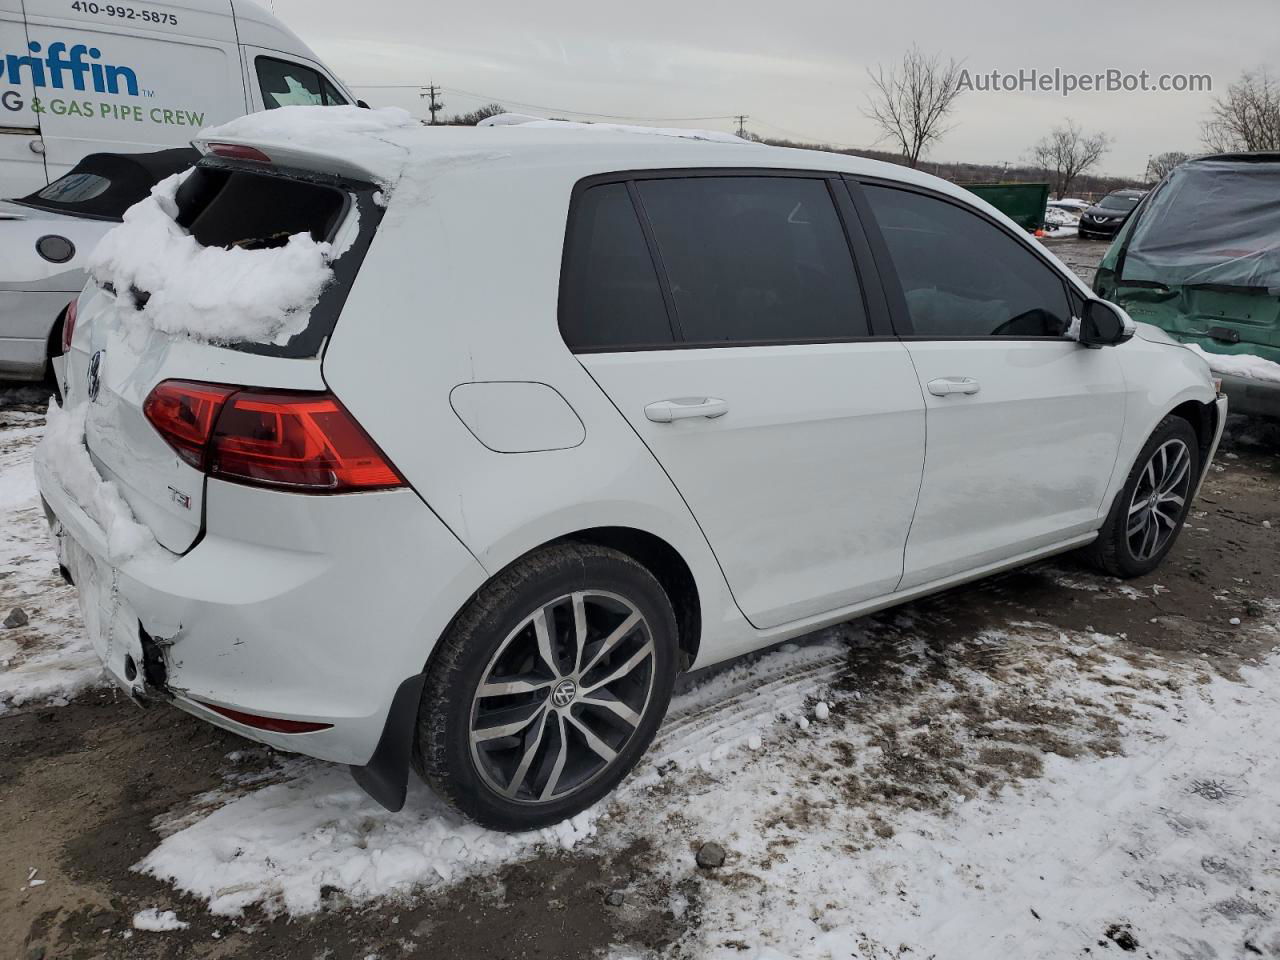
[945,386]
[686,408]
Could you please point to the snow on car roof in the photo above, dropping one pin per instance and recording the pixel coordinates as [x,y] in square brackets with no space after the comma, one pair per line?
[392,148]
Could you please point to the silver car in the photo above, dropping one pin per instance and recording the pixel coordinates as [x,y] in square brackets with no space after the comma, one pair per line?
[46,239]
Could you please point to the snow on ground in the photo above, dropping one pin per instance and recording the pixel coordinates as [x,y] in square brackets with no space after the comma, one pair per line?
[1165,834]
[49,658]
[1239,364]
[285,844]
[157,921]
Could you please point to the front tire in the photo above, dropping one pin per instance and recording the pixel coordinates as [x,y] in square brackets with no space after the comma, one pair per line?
[547,688]
[1149,511]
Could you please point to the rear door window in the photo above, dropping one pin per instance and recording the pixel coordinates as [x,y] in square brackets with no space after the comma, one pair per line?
[610,297]
[964,277]
[754,259]
[287,84]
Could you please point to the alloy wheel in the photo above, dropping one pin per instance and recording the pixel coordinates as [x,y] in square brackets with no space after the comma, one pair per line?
[1159,499]
[562,696]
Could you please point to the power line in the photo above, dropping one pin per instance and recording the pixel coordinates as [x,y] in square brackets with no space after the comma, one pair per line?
[435,105]
[539,106]
[742,128]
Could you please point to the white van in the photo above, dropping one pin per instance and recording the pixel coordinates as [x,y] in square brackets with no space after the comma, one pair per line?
[118,76]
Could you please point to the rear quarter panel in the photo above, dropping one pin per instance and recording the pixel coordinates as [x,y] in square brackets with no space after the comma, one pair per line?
[461,285]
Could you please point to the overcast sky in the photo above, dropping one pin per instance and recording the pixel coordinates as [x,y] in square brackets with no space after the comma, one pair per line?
[798,67]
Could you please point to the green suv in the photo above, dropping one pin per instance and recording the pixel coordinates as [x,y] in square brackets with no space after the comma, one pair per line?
[1200,258]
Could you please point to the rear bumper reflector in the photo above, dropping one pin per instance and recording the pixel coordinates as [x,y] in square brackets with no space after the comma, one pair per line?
[270,724]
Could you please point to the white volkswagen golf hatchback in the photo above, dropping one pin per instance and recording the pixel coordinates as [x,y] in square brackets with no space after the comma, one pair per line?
[450,448]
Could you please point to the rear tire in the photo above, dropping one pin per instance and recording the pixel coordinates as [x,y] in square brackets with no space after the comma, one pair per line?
[571,653]
[1150,509]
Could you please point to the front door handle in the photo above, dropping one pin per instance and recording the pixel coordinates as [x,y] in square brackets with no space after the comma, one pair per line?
[685,408]
[945,386]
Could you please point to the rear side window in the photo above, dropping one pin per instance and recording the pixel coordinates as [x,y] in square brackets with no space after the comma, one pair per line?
[754,259]
[961,275]
[287,84]
[611,298]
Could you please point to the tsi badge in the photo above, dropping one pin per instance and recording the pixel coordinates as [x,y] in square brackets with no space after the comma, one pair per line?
[95,374]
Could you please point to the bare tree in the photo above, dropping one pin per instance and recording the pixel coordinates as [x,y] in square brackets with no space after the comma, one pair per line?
[911,101]
[1160,165]
[1247,117]
[475,116]
[1068,152]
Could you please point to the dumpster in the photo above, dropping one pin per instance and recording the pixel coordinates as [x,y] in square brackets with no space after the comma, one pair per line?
[1023,203]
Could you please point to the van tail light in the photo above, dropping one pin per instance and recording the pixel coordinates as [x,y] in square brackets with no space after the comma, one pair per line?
[305,442]
[69,325]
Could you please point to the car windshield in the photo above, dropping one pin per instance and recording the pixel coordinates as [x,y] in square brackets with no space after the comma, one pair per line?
[1118,201]
[1214,222]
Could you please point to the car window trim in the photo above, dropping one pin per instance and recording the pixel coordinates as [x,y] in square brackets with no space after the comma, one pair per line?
[899,312]
[876,331]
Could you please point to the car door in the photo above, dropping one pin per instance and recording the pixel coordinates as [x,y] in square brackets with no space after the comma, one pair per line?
[21,149]
[1023,422]
[725,318]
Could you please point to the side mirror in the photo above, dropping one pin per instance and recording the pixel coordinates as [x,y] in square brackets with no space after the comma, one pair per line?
[362,105]
[1105,325]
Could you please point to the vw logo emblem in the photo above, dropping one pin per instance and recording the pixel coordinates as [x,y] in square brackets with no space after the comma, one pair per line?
[95,374]
[564,693]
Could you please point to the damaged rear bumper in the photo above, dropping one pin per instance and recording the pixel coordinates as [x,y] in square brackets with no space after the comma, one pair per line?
[306,609]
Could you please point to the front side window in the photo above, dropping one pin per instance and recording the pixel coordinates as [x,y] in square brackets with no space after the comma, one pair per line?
[287,84]
[961,275]
[753,259]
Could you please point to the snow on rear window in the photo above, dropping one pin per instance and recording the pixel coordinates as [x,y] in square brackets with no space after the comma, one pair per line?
[210,293]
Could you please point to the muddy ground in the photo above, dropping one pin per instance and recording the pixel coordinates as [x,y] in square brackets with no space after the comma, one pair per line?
[81,786]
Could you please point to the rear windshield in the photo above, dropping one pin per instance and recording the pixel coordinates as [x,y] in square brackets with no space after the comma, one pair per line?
[1212,223]
[223,204]
[102,186]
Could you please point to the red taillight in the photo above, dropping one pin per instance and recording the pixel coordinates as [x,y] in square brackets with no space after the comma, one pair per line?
[69,325]
[185,413]
[306,442]
[238,151]
[272,724]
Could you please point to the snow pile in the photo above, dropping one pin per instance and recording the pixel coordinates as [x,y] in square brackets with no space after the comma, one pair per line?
[1239,364]
[538,123]
[157,921]
[50,659]
[209,293]
[282,844]
[1168,841]
[65,457]
[361,137]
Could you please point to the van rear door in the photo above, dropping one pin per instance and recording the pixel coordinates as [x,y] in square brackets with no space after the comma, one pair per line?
[21,160]
[132,84]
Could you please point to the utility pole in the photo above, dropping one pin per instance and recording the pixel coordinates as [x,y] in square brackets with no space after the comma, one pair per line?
[742,129]
[434,105]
